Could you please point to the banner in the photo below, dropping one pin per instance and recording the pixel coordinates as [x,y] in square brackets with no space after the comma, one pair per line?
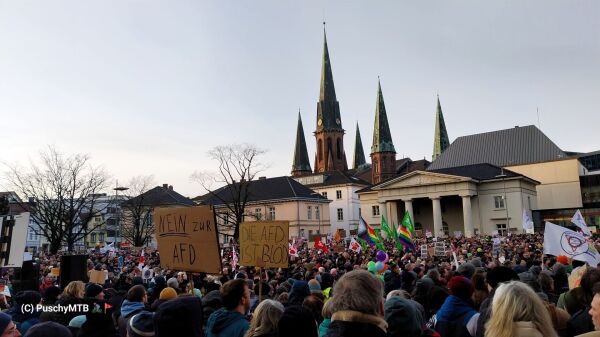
[354,246]
[527,223]
[580,222]
[264,244]
[187,239]
[563,241]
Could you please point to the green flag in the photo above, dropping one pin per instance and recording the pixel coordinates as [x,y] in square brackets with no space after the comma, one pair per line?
[399,246]
[379,242]
[407,222]
[386,229]
[363,244]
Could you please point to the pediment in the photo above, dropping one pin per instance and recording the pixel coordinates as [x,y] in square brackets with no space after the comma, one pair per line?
[421,178]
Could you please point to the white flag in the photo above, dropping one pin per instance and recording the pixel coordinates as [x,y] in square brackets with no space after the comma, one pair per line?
[293,248]
[355,246]
[563,241]
[527,223]
[579,222]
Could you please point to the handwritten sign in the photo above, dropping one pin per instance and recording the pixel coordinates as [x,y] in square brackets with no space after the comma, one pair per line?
[187,239]
[97,276]
[264,244]
[55,272]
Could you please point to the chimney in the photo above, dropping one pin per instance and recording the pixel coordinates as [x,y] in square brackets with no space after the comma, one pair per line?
[262,178]
[165,186]
[170,187]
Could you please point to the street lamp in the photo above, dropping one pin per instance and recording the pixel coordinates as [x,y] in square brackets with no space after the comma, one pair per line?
[503,176]
[118,209]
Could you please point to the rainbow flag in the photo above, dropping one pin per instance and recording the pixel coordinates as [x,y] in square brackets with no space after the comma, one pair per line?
[405,233]
[366,233]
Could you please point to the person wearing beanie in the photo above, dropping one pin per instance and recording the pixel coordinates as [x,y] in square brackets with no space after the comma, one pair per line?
[297,321]
[141,325]
[166,294]
[457,317]
[46,329]
[211,302]
[160,283]
[173,283]
[403,318]
[466,269]
[180,316]
[50,295]
[493,278]
[300,290]
[315,287]
[95,291]
[7,326]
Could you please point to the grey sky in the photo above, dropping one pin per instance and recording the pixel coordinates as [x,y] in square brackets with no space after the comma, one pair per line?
[147,87]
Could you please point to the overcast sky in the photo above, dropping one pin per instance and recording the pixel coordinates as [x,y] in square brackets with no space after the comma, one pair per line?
[148,87]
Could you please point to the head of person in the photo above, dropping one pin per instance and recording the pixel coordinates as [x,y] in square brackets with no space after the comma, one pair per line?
[499,275]
[265,318]
[461,287]
[297,321]
[137,293]
[595,306]
[51,295]
[28,297]
[360,291]
[403,318]
[314,303]
[95,291]
[517,302]
[179,317]
[74,289]
[141,325]
[588,280]
[7,327]
[235,295]
[167,293]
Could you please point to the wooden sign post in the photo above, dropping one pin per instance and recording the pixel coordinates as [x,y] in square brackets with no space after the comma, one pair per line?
[188,239]
[264,244]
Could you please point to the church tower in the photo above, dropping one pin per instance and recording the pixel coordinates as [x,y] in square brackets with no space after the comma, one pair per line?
[359,154]
[383,154]
[329,134]
[301,164]
[440,137]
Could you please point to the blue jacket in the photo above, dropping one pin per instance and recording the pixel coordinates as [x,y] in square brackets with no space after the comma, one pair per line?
[225,323]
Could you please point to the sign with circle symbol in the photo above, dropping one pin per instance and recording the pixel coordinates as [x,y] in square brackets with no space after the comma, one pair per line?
[573,243]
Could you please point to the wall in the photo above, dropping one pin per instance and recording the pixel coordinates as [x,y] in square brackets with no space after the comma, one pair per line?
[559,183]
[349,203]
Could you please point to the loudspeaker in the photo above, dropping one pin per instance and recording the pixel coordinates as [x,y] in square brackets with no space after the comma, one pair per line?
[27,277]
[73,268]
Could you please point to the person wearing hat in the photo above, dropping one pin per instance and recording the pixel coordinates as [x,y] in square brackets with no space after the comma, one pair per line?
[94,291]
[141,325]
[44,329]
[403,318]
[457,317]
[7,326]
[166,294]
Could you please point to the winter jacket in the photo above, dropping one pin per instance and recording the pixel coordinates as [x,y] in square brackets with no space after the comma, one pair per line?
[526,329]
[392,281]
[65,318]
[356,324]
[211,303]
[324,326]
[580,323]
[590,334]
[225,323]
[23,320]
[128,310]
[456,318]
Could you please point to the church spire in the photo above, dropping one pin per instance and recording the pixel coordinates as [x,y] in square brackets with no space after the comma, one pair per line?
[383,154]
[301,164]
[327,92]
[382,137]
[359,154]
[440,138]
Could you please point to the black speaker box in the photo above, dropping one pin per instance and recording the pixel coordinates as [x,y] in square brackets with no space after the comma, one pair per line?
[73,268]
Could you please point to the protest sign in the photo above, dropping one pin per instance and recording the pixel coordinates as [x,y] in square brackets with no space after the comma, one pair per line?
[424,251]
[187,239]
[264,244]
[97,276]
[440,248]
[55,272]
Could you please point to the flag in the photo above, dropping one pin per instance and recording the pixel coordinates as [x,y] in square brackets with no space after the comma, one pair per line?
[293,249]
[363,244]
[563,241]
[399,247]
[141,260]
[580,222]
[407,222]
[386,231]
[234,258]
[338,236]
[320,245]
[354,246]
[366,233]
[379,242]
[527,223]
[404,233]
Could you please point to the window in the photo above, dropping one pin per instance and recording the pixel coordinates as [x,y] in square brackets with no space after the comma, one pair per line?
[258,213]
[359,212]
[271,213]
[317,212]
[338,194]
[309,213]
[375,210]
[101,237]
[340,214]
[324,194]
[375,166]
[499,202]
[501,229]
[93,237]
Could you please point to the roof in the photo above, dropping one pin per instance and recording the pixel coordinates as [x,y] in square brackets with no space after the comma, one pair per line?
[300,162]
[403,165]
[382,137]
[333,178]
[264,189]
[160,196]
[518,145]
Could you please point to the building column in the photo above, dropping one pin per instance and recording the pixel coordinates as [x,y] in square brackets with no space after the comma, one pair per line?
[392,207]
[437,217]
[467,216]
[408,206]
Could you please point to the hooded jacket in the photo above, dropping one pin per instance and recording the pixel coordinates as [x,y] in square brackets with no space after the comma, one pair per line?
[225,323]
[456,318]
[211,303]
[180,316]
[128,309]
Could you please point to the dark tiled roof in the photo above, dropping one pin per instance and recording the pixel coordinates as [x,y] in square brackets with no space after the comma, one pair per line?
[479,172]
[265,189]
[160,196]
[518,145]
[338,178]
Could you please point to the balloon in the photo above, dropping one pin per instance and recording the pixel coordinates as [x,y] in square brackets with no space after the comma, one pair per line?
[381,255]
[379,265]
[385,267]
[371,266]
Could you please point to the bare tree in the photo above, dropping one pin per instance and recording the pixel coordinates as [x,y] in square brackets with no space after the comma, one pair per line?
[237,167]
[136,213]
[66,192]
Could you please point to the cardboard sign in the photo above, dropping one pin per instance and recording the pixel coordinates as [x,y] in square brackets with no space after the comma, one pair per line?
[188,239]
[440,248]
[264,244]
[97,276]
[55,272]
[424,251]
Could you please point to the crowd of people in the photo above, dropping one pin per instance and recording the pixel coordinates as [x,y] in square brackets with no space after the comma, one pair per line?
[481,286]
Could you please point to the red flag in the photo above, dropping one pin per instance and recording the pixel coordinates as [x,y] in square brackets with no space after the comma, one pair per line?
[320,245]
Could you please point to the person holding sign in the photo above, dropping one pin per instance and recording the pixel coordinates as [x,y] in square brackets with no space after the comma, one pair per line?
[230,321]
